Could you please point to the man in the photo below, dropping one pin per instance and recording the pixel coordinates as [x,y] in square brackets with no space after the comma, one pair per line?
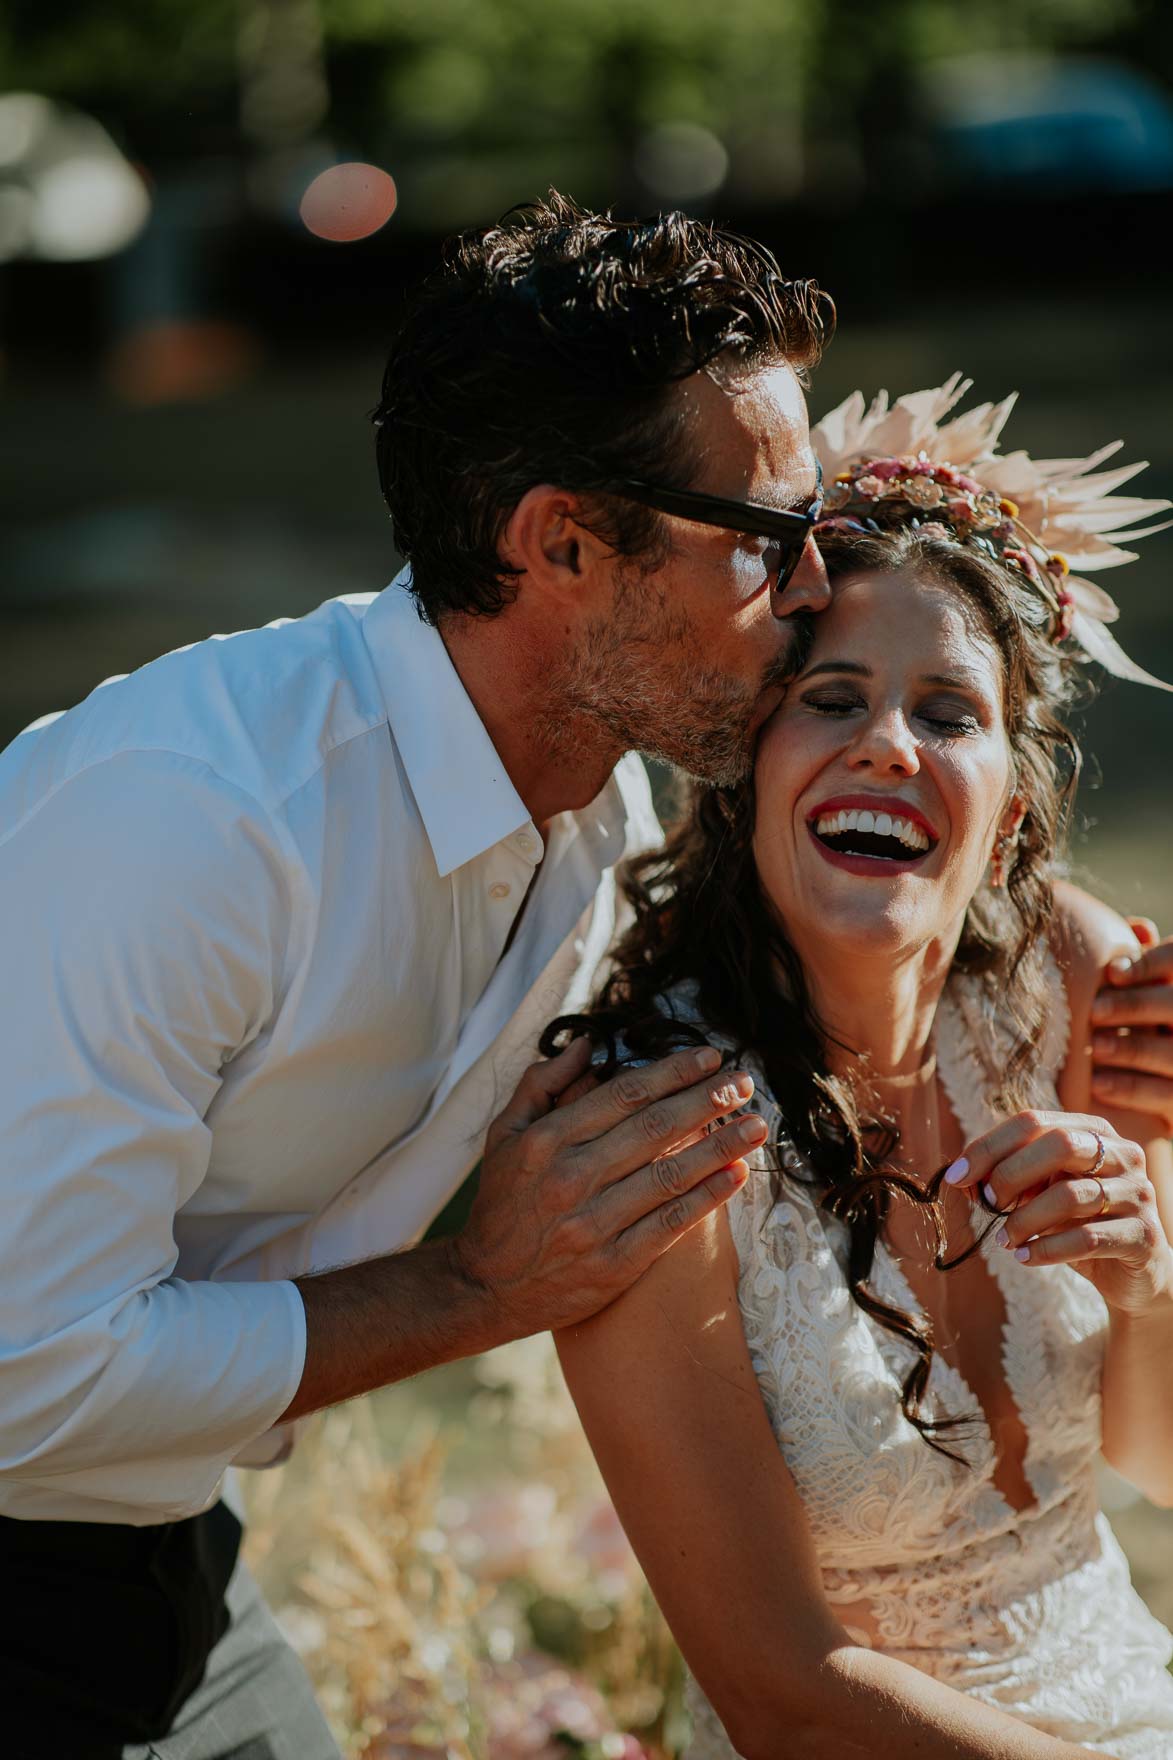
[284,914]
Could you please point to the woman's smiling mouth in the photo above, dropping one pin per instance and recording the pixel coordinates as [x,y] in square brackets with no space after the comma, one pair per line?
[871,834]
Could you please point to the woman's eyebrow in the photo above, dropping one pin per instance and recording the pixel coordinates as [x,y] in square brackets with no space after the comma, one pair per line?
[856,667]
[953,680]
[957,680]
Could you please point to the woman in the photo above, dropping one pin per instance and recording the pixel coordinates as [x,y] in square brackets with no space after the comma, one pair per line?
[860,1408]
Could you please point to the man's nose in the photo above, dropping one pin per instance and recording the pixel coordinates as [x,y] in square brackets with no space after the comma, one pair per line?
[808,588]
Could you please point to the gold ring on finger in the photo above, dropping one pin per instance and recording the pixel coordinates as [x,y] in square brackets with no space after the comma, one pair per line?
[1103,1197]
[1101,1157]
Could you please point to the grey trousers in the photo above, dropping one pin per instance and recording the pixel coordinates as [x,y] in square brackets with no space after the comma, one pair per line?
[255,1701]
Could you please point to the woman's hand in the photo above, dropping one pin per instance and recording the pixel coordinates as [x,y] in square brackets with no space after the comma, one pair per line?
[1065,1203]
[1132,1045]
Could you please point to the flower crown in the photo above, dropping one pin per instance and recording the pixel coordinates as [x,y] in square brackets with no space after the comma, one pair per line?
[895,466]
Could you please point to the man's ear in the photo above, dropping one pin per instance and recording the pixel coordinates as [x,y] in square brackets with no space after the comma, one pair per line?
[545,541]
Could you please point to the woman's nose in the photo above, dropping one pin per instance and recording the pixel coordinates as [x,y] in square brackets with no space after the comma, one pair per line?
[886,743]
[808,588]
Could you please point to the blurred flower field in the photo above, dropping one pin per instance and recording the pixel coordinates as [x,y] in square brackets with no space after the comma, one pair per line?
[446,1560]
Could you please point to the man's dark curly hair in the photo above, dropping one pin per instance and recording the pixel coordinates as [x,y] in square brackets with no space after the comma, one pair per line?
[544,350]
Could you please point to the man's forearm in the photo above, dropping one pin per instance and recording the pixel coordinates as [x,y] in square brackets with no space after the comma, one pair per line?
[387,1319]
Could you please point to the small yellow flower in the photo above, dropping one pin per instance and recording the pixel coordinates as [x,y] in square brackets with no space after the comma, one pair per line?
[1064,565]
[1009,508]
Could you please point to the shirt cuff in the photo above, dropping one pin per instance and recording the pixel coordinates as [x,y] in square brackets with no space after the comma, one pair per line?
[211,1373]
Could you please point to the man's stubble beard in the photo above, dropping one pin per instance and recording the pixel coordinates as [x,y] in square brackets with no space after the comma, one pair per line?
[634,683]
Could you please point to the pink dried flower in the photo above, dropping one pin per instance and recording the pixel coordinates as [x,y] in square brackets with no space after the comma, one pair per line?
[960,510]
[870,487]
[504,1530]
[601,1541]
[923,493]
[886,468]
[529,1702]
[934,529]
[1024,560]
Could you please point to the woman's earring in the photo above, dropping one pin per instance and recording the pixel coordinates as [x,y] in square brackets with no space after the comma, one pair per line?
[999,862]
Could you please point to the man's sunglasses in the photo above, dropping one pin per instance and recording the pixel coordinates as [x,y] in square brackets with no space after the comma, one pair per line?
[788,529]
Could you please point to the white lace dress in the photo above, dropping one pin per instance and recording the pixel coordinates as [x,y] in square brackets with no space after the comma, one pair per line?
[1031,1611]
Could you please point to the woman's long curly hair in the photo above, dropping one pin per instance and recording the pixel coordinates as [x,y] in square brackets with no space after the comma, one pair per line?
[702,920]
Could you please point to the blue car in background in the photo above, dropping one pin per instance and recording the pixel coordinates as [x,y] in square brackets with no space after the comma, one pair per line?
[1036,123]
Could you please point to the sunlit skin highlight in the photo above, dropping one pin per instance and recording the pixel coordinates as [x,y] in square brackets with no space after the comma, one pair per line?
[596,655]
[900,704]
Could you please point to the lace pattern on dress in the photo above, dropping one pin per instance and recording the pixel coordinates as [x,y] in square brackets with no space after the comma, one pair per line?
[1030,1610]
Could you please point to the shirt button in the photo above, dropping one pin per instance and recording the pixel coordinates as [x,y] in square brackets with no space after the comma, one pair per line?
[499,889]
[524,842]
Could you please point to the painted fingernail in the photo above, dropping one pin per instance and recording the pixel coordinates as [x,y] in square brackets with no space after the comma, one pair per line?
[732,1094]
[1118,967]
[990,1194]
[1022,1253]
[1103,1008]
[957,1172]
[707,1060]
[1002,1238]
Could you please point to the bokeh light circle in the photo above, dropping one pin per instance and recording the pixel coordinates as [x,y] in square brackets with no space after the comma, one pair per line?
[347,202]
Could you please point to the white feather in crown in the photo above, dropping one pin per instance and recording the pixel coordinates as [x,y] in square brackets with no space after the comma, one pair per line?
[1068,505]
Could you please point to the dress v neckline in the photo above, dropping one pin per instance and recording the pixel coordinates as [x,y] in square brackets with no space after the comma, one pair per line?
[963,1078]
[957,1397]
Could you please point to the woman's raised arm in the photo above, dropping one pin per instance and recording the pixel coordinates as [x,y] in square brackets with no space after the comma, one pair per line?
[1137,1399]
[666,1390]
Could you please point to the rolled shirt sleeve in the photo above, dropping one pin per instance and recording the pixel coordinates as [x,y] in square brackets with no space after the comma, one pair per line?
[145,911]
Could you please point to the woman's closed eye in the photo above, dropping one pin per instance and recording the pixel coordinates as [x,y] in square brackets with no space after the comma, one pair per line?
[950,718]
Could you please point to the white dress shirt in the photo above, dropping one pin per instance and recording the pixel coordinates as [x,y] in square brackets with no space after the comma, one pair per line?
[255,1019]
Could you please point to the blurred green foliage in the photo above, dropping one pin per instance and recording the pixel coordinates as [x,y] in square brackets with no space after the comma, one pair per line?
[497,71]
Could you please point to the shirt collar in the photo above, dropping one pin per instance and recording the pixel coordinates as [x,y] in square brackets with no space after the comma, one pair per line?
[461,787]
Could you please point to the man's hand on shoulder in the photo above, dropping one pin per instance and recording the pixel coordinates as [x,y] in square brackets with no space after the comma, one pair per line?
[577,1200]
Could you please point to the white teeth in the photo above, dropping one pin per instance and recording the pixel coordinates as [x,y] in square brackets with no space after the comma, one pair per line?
[875,824]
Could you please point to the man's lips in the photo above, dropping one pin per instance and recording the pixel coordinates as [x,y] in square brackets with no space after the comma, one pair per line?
[768,702]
